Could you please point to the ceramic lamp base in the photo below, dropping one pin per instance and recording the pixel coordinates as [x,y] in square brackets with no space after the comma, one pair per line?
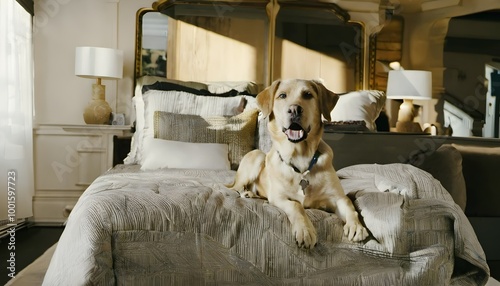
[98,111]
[405,118]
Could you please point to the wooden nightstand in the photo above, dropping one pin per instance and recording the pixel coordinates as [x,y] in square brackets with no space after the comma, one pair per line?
[67,160]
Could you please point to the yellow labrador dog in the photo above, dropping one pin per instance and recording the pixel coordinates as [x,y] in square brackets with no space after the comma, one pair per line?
[297,172]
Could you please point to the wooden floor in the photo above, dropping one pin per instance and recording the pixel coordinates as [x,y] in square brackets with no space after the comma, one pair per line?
[30,243]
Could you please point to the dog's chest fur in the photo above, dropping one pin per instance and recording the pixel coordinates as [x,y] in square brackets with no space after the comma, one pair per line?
[297,175]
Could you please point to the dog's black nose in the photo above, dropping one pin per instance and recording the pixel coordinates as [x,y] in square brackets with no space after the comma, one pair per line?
[295,110]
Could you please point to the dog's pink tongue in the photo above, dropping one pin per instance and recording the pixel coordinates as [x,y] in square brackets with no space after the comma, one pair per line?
[294,134]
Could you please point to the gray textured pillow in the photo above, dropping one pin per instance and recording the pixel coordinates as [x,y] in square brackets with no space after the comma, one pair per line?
[237,131]
[445,164]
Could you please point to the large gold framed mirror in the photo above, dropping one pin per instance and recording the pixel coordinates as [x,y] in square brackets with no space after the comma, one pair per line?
[258,40]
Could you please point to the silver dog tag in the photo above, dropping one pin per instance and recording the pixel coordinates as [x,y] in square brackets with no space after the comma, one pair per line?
[303,184]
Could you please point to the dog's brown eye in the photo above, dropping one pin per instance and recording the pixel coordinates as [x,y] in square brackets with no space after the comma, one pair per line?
[307,95]
[282,95]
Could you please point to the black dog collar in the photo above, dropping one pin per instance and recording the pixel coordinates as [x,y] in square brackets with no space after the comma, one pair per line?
[313,162]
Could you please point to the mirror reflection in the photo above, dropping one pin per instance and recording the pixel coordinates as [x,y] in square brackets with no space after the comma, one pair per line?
[317,44]
[472,63]
[206,44]
[154,44]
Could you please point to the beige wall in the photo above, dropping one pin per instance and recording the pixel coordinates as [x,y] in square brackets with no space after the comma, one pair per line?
[62,25]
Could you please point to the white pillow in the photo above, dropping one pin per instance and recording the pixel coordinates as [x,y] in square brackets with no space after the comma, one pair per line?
[161,153]
[359,105]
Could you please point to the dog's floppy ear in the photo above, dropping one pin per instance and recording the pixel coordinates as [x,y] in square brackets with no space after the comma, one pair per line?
[265,99]
[327,100]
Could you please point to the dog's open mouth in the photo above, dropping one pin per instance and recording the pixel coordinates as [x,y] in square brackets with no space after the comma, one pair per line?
[295,133]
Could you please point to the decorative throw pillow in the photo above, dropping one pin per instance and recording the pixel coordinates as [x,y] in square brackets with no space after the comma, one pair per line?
[238,131]
[184,155]
[360,105]
[445,165]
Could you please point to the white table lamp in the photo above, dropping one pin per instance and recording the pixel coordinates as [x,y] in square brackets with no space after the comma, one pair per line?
[98,63]
[409,85]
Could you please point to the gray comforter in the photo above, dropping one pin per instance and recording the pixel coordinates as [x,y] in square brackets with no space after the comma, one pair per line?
[183,227]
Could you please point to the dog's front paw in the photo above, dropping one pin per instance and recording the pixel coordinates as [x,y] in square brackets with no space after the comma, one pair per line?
[248,195]
[305,235]
[355,231]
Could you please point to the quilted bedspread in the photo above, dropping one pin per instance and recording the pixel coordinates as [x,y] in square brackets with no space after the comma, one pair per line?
[183,227]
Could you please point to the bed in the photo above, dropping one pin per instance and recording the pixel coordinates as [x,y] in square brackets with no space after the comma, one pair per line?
[165,217]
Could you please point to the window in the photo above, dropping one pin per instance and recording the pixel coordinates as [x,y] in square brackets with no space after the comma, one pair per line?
[16,112]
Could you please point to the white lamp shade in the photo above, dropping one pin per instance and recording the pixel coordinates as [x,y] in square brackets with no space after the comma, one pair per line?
[409,84]
[93,62]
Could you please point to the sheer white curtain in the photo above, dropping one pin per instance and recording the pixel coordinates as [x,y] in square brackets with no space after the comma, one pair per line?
[16,111]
